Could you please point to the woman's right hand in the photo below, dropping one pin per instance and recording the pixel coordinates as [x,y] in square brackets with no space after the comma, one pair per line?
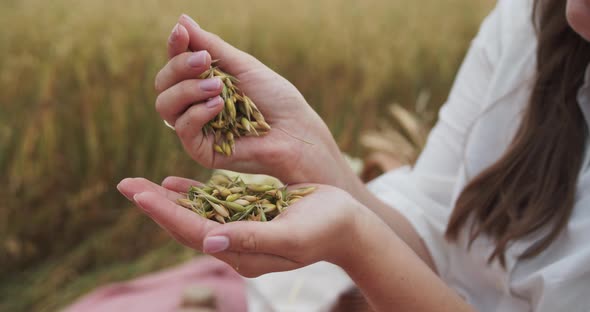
[282,152]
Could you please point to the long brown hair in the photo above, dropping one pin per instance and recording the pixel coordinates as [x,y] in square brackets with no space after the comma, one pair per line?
[531,188]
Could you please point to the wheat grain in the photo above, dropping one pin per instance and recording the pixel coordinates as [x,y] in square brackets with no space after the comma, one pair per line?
[224,199]
[240,116]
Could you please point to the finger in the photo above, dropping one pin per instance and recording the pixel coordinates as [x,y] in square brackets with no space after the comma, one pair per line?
[187,228]
[254,265]
[129,187]
[189,125]
[177,237]
[253,237]
[229,57]
[178,41]
[187,65]
[173,102]
[190,227]
[178,184]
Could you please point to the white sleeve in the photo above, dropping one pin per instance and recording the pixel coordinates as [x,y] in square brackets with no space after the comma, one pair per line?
[565,294]
[424,194]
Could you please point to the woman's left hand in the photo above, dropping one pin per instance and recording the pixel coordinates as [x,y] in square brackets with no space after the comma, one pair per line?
[320,227]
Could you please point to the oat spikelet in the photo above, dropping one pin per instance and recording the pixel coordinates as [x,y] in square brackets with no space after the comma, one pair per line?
[224,199]
[240,116]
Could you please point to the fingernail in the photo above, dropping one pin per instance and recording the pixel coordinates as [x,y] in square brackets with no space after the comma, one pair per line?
[215,244]
[136,202]
[216,101]
[211,84]
[192,21]
[120,191]
[197,59]
[147,212]
[174,34]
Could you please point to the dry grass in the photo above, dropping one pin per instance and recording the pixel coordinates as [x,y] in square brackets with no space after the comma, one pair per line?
[398,138]
[76,112]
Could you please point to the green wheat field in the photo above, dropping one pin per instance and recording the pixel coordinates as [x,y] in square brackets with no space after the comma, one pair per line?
[77,113]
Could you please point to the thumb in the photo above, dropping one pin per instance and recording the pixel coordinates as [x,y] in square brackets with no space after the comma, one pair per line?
[252,237]
[230,58]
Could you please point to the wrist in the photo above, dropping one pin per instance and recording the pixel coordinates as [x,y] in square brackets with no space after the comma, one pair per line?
[329,166]
[319,161]
[383,267]
[366,240]
[324,163]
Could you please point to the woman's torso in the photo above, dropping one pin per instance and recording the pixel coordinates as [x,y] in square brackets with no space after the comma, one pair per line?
[563,270]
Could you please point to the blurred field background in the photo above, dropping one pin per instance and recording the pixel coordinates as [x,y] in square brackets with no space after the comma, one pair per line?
[76,113]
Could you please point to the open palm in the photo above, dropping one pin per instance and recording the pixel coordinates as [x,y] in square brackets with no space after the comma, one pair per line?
[321,226]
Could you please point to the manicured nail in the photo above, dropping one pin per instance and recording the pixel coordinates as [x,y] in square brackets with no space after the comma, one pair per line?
[197,59]
[119,189]
[192,21]
[174,34]
[214,102]
[212,84]
[215,244]
[147,212]
[136,202]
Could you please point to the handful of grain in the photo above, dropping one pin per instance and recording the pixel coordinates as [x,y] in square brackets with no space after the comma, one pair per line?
[227,200]
[240,116]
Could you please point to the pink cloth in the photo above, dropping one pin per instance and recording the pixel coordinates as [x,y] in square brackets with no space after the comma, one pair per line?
[162,291]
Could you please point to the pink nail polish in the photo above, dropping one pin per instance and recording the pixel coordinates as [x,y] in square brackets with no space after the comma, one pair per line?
[212,84]
[136,202]
[215,244]
[197,59]
[174,34]
[147,212]
[121,191]
[214,102]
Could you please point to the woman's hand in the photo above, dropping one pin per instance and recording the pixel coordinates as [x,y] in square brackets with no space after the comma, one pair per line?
[277,153]
[282,152]
[320,227]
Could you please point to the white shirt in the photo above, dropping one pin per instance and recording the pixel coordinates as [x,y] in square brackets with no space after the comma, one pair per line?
[475,127]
